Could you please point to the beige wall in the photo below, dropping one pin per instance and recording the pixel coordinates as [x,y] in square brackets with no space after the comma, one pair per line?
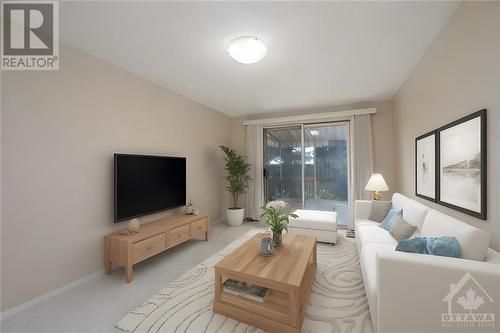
[59,130]
[459,74]
[382,134]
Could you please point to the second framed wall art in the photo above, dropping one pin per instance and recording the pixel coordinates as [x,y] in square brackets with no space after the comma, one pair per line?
[425,166]
[450,165]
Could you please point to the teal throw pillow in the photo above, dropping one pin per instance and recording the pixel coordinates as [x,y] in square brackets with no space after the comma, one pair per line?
[445,246]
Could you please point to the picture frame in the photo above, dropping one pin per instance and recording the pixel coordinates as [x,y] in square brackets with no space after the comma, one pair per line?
[462,165]
[426,153]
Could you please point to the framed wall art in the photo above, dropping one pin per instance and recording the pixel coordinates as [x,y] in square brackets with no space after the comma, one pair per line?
[425,166]
[461,158]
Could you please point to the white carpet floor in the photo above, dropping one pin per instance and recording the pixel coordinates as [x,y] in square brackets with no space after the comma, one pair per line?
[97,305]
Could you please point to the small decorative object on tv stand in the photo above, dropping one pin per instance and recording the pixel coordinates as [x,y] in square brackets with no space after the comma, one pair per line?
[152,238]
[191,209]
[133,226]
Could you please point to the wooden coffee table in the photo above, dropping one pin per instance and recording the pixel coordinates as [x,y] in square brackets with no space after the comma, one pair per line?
[288,275]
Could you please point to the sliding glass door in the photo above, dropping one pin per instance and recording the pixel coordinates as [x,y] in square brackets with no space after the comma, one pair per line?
[327,168]
[308,167]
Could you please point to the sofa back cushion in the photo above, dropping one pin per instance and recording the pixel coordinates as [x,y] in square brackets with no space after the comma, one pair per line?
[415,213]
[473,241]
[399,200]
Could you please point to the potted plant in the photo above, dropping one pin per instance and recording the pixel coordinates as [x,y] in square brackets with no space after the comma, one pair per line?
[277,219]
[237,178]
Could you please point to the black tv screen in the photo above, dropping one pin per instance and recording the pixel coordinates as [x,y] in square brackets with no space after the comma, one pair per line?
[148,184]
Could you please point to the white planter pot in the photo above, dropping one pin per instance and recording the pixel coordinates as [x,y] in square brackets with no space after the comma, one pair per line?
[235,216]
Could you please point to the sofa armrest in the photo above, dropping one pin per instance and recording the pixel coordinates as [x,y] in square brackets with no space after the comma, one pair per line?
[362,209]
[415,291]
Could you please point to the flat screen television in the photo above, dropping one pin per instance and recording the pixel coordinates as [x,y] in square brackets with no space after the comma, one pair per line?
[148,184]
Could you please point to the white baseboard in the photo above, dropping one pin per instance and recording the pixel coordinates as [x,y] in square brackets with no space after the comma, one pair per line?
[217,221]
[17,309]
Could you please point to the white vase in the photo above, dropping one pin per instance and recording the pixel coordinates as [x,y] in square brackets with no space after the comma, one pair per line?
[133,225]
[235,216]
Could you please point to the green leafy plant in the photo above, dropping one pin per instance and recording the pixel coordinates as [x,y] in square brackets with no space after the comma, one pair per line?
[237,169]
[325,195]
[275,216]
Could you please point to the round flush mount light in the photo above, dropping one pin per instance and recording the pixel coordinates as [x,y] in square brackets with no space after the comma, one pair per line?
[247,49]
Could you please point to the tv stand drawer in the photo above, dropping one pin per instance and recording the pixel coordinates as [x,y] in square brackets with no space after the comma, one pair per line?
[199,226]
[178,235]
[148,247]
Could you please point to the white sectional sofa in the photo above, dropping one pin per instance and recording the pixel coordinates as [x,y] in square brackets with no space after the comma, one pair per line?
[409,292]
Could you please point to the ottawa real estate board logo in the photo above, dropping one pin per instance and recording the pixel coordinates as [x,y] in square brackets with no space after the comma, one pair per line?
[469,305]
[30,35]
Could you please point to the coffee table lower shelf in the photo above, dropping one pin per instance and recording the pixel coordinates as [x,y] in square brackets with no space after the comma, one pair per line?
[281,312]
[250,318]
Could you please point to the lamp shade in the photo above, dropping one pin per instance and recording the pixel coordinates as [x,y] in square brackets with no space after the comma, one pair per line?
[376,183]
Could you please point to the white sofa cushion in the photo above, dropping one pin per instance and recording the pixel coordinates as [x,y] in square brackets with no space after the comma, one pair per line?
[474,242]
[414,213]
[360,222]
[373,234]
[314,219]
[399,200]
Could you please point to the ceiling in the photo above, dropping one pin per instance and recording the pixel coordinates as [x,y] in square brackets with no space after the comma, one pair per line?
[319,53]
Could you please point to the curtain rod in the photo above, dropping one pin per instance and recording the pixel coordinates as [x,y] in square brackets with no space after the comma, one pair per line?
[310,117]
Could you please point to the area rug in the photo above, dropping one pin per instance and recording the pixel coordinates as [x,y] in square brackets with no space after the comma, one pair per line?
[337,303]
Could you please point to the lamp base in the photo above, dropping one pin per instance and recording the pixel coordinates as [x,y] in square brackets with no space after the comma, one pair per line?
[377,195]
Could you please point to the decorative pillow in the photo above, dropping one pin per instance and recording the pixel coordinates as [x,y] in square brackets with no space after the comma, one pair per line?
[391,217]
[413,245]
[379,210]
[443,246]
[401,229]
[439,246]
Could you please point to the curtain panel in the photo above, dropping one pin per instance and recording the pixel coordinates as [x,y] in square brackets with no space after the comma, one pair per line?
[362,156]
[254,151]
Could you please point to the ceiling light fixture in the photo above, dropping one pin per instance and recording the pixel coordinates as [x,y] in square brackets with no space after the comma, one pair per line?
[314,132]
[247,49]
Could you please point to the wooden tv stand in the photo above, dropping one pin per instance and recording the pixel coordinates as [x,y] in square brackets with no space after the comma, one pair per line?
[153,237]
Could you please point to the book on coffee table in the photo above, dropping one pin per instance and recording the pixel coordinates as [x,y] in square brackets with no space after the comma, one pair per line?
[246,290]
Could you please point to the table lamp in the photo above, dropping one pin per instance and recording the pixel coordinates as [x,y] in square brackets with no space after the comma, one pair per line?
[377,184]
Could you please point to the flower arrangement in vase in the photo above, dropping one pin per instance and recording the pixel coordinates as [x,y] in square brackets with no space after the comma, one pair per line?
[276,217]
